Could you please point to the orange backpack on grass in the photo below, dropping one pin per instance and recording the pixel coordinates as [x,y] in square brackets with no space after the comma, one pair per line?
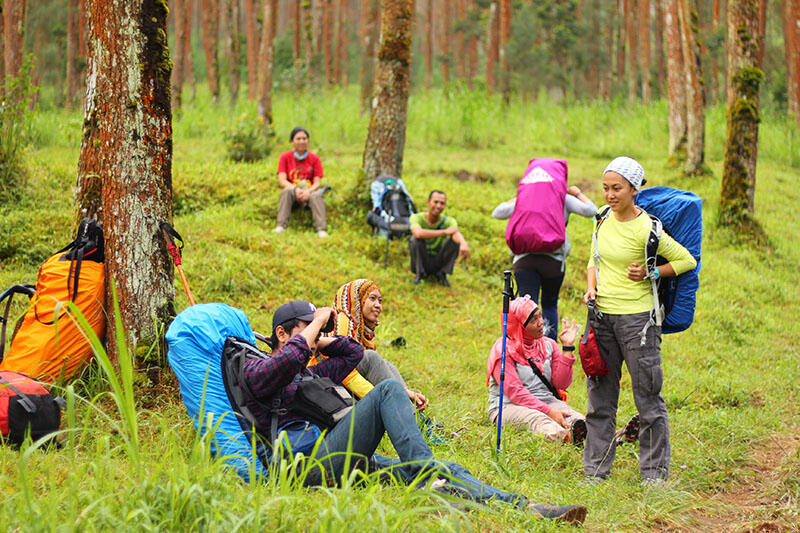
[51,347]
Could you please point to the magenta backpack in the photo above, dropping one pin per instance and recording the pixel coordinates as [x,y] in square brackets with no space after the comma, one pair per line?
[537,224]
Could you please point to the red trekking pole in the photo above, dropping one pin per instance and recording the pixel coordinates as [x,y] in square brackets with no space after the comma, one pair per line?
[169,235]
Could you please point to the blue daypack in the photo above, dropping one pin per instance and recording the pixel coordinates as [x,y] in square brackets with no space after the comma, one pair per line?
[196,339]
[681,214]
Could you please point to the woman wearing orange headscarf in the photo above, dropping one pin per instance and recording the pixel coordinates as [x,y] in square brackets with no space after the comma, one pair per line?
[357,307]
[528,398]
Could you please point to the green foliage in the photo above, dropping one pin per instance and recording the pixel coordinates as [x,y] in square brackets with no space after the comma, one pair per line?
[249,139]
[14,126]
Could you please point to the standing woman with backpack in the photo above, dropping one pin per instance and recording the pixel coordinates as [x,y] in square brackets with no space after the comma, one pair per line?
[544,271]
[621,286]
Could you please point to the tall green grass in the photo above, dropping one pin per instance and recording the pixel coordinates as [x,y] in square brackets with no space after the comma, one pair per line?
[730,380]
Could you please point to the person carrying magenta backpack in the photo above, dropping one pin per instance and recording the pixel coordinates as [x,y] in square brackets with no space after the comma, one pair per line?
[299,176]
[620,284]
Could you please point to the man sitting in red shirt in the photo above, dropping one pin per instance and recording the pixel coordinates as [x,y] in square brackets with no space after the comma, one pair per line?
[299,175]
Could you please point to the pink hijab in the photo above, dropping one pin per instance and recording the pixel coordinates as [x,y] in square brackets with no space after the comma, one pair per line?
[520,345]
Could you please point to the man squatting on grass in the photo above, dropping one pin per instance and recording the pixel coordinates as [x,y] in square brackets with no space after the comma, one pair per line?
[386,409]
[436,242]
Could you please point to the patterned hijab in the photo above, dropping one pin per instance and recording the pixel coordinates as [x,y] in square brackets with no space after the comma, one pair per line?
[347,304]
[520,345]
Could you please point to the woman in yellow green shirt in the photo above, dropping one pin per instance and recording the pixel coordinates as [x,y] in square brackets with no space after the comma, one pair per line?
[618,281]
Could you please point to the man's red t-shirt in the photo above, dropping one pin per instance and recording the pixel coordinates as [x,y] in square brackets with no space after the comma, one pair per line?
[296,171]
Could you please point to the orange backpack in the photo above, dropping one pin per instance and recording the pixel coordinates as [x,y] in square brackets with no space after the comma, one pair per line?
[51,347]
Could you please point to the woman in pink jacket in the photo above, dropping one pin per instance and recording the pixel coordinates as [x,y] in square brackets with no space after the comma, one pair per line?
[537,374]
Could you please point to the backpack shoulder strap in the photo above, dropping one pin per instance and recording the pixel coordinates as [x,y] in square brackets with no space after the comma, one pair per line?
[9,294]
[441,222]
[600,217]
[543,379]
[651,253]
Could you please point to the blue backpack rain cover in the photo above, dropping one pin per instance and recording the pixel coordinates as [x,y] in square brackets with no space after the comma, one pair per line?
[196,338]
[681,214]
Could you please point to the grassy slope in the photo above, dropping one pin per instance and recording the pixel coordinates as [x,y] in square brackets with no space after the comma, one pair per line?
[730,380]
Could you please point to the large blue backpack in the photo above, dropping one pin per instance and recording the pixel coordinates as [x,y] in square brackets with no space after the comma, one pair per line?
[196,339]
[681,213]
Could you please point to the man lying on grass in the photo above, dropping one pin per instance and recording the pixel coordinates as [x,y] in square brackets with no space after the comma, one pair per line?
[296,330]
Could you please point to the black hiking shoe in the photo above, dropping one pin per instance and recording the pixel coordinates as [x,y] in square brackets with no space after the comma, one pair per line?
[577,432]
[572,514]
[417,279]
[442,277]
[630,433]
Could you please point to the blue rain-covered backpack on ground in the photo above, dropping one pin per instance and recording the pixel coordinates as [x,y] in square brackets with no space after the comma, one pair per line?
[196,339]
[681,214]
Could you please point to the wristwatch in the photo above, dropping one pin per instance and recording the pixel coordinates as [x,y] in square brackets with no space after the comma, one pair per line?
[655,274]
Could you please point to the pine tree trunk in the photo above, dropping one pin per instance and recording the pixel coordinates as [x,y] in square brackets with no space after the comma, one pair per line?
[461,60]
[327,37]
[630,33]
[188,66]
[429,44]
[444,41]
[676,86]
[762,29]
[179,18]
[297,48]
[234,48]
[791,38]
[659,46]
[504,35]
[383,153]
[620,4]
[265,57]
[211,45]
[370,11]
[252,46]
[492,44]
[124,177]
[72,55]
[308,35]
[693,78]
[14,33]
[342,48]
[644,49]
[741,143]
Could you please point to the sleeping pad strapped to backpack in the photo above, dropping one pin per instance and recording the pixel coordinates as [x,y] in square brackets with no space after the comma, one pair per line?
[681,214]
[538,224]
[51,347]
[196,339]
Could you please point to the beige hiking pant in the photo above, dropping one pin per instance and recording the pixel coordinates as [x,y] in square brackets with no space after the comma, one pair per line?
[536,421]
[316,202]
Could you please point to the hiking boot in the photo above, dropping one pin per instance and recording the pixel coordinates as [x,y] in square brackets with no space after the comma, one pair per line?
[418,279]
[279,229]
[572,514]
[577,432]
[322,234]
[442,277]
[630,433]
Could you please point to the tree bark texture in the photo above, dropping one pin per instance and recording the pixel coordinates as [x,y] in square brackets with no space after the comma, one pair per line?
[741,143]
[297,48]
[644,49]
[265,57]
[370,30]
[695,95]
[762,29]
[13,28]
[383,153]
[620,4]
[308,36]
[461,57]
[73,86]
[211,45]
[791,39]
[676,85]
[504,34]
[342,45]
[188,66]
[124,172]
[234,49]
[492,46]
[252,46]
[327,38]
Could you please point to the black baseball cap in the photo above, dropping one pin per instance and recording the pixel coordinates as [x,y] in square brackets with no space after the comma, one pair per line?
[299,309]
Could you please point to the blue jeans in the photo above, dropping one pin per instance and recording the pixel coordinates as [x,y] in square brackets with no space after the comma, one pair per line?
[386,409]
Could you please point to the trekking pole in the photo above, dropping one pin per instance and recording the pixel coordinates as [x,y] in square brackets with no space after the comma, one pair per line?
[169,232]
[506,298]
